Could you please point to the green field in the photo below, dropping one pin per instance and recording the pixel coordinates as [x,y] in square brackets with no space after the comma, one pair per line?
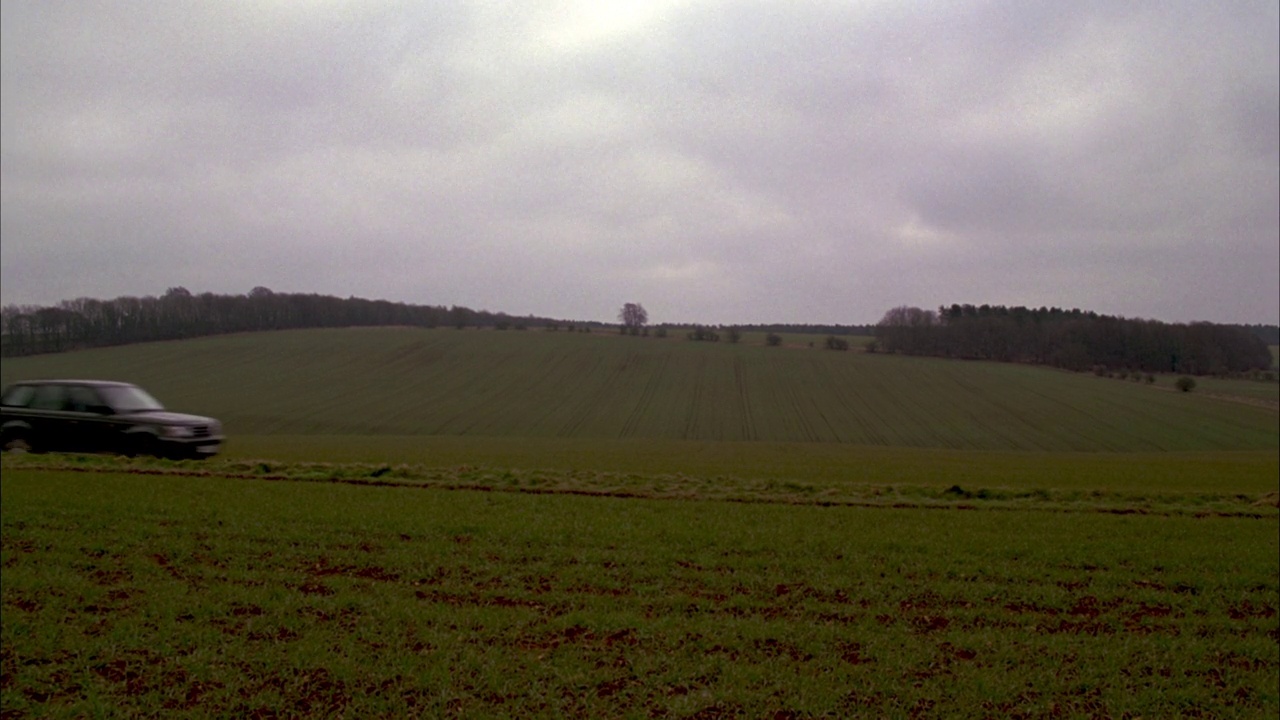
[536,384]
[443,523]
[131,594]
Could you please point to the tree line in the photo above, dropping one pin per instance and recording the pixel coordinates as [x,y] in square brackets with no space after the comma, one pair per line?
[86,322]
[1071,339]
[1269,334]
[792,328]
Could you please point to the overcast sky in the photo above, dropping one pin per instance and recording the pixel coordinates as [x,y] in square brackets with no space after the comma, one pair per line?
[717,161]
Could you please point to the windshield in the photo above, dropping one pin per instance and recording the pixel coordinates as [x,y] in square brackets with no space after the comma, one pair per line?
[126,398]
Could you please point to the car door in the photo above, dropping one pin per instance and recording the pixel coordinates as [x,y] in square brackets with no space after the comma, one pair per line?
[47,415]
[86,422]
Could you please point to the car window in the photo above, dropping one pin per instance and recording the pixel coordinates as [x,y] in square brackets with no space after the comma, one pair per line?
[49,397]
[18,396]
[129,398]
[82,399]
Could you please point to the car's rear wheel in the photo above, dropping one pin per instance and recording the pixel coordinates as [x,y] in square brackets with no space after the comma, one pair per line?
[18,443]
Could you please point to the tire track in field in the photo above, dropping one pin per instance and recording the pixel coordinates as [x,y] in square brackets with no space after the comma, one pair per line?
[1093,430]
[827,399]
[1103,431]
[864,410]
[695,400]
[609,381]
[922,416]
[797,401]
[455,419]
[656,380]
[1215,435]
[1238,399]
[490,399]
[966,411]
[586,405]
[981,395]
[870,422]
[894,416]
[546,393]
[1107,421]
[816,392]
[1052,430]
[1109,425]
[773,417]
[747,424]
[822,389]
[832,434]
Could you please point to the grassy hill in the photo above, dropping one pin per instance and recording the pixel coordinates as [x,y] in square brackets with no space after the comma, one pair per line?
[535,384]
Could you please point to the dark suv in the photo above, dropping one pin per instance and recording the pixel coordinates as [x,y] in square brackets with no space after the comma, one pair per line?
[100,416]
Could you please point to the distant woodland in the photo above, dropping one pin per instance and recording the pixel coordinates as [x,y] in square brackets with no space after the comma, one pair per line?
[1070,339]
[86,323]
[1075,340]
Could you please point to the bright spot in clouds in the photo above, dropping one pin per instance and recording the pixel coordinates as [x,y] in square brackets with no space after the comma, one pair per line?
[583,24]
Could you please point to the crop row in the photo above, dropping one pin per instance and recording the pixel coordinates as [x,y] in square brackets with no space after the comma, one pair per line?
[557,385]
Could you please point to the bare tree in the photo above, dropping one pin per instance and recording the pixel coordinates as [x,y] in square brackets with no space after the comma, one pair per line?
[633,317]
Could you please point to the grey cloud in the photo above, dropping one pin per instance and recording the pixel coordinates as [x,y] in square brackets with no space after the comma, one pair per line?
[720,162]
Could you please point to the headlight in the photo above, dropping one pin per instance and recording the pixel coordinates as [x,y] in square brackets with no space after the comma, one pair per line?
[177,431]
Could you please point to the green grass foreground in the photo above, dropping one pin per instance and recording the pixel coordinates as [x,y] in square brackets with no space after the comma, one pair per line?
[130,594]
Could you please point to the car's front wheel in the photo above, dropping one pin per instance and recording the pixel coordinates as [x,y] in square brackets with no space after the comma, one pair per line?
[142,445]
